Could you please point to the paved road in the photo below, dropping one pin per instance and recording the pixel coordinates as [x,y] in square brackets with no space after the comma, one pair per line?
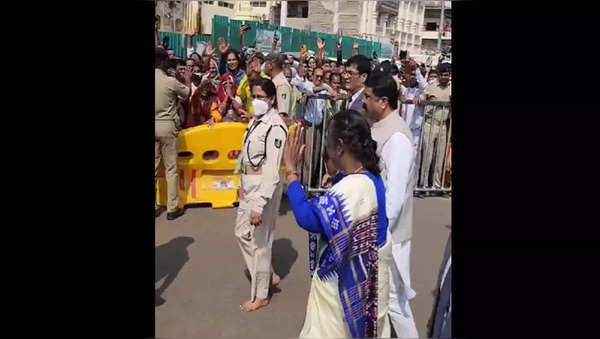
[200,281]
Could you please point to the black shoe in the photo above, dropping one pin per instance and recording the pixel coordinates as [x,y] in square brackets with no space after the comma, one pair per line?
[175,215]
[159,211]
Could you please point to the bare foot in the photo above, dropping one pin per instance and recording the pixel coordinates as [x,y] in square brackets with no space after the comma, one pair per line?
[249,306]
[275,279]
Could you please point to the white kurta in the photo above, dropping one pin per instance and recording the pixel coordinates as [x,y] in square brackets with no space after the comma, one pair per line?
[397,157]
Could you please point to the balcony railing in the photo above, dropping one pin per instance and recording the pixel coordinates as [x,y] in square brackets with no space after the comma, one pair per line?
[390,6]
[434,35]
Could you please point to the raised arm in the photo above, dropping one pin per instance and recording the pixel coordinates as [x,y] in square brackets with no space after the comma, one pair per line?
[321,52]
[339,52]
[223,48]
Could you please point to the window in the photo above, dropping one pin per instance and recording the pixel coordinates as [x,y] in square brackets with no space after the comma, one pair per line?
[297,9]
[258,4]
[209,2]
[431,26]
[225,4]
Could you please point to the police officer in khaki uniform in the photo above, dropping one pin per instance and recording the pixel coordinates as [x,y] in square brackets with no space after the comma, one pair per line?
[169,92]
[274,63]
[435,126]
[260,191]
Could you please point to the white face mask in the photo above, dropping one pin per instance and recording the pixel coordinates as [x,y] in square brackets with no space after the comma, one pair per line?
[260,107]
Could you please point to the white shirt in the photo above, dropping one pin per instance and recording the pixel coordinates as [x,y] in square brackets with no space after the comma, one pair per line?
[354,97]
[398,155]
[301,84]
[410,94]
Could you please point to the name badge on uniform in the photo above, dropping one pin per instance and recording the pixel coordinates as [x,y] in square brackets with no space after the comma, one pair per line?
[277,143]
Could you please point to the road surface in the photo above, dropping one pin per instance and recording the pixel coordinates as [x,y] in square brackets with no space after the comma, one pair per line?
[200,278]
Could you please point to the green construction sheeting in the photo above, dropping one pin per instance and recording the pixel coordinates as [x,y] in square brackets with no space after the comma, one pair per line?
[175,42]
[291,39]
[377,48]
[220,29]
[387,51]
[234,34]
[286,38]
[250,36]
[347,44]
[195,39]
[365,48]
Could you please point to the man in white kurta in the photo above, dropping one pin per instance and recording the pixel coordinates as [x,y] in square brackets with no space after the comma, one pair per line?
[397,161]
[413,114]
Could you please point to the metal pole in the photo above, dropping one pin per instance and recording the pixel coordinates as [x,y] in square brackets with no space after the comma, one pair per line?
[441,28]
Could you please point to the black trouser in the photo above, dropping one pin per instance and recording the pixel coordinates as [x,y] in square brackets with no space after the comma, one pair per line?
[312,155]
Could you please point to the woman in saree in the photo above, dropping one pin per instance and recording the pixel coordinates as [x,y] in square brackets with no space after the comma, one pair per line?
[213,73]
[204,107]
[349,253]
[230,104]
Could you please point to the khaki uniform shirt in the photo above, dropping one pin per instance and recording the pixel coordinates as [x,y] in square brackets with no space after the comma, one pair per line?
[284,94]
[435,92]
[168,93]
[261,156]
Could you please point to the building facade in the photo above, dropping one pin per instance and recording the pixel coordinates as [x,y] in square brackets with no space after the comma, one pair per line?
[432,25]
[408,25]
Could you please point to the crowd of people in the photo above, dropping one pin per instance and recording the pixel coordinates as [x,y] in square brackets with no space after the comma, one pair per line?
[360,230]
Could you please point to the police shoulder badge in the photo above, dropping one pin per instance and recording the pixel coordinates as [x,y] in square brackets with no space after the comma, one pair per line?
[278,143]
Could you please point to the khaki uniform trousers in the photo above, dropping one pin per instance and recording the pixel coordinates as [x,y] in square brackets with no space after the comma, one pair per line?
[256,242]
[434,139]
[165,149]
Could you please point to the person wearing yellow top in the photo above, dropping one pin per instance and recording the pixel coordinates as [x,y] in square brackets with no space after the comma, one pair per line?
[244,91]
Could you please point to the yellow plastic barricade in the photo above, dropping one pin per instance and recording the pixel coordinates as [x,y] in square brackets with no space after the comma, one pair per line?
[206,162]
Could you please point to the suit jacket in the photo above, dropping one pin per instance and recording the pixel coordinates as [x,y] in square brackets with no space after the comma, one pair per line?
[358,105]
[441,325]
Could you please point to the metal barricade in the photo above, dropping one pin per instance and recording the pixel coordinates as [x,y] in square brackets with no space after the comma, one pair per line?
[434,152]
[315,114]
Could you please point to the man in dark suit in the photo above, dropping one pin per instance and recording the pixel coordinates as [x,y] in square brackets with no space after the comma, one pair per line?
[440,322]
[358,68]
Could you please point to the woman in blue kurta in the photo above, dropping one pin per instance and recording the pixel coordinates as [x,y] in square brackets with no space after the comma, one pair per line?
[348,234]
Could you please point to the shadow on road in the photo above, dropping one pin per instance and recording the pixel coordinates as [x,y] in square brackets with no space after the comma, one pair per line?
[285,206]
[169,260]
[284,256]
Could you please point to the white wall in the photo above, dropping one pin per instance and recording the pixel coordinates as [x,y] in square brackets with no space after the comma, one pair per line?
[208,11]
[298,23]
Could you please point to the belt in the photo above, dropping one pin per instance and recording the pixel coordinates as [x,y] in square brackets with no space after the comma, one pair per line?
[249,170]
[437,121]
